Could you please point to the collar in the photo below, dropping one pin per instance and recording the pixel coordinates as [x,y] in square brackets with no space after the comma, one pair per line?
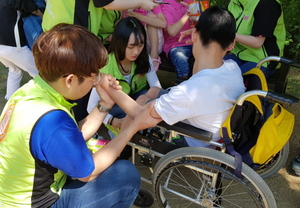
[47,89]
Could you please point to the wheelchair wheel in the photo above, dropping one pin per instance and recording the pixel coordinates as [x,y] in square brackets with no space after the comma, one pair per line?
[144,199]
[202,177]
[276,163]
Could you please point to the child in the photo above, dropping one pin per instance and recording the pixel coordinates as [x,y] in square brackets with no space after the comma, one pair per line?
[180,53]
[129,62]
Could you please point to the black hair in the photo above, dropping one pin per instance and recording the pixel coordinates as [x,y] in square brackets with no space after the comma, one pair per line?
[216,24]
[124,28]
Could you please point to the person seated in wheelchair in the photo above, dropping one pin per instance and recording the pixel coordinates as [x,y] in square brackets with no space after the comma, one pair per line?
[206,98]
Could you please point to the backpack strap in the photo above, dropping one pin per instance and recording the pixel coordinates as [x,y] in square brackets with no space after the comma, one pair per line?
[236,155]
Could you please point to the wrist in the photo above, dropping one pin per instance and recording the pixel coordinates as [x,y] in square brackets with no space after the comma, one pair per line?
[102,108]
[105,104]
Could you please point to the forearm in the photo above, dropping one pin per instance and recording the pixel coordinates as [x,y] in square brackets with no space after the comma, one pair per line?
[250,41]
[126,103]
[130,4]
[107,155]
[175,28]
[90,125]
[153,21]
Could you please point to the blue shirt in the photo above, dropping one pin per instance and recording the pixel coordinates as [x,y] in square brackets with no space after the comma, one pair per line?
[57,141]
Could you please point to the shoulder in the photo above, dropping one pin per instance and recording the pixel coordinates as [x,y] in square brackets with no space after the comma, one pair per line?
[268,5]
[53,120]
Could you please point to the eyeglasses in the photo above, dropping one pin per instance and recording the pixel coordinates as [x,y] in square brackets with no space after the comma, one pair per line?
[96,79]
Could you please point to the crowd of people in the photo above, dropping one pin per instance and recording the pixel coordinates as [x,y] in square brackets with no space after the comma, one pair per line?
[87,73]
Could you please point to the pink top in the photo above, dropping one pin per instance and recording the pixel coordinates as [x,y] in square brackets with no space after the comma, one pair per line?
[173,12]
[156,11]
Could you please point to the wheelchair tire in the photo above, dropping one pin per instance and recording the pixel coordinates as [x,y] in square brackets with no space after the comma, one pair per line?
[276,163]
[176,175]
[144,199]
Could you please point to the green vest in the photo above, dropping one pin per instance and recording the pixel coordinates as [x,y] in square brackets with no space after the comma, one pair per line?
[243,11]
[138,81]
[79,12]
[108,21]
[27,182]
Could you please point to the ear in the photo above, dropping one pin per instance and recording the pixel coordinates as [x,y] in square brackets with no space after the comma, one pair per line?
[195,35]
[231,46]
[69,80]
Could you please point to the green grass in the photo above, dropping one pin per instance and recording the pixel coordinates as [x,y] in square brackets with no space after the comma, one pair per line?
[293,86]
[3,79]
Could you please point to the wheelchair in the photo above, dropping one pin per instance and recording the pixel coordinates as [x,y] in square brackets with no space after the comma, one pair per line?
[204,177]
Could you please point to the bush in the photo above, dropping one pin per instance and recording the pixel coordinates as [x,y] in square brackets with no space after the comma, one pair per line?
[292,24]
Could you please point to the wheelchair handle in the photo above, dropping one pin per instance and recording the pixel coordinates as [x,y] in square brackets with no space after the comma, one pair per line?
[283,99]
[279,59]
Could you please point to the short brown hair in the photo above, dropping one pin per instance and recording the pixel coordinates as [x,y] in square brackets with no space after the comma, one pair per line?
[68,49]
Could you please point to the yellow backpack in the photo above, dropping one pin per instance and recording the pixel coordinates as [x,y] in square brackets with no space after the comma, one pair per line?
[258,129]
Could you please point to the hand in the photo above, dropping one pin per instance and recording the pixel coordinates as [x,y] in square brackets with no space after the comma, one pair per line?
[113,82]
[105,98]
[185,33]
[144,119]
[148,5]
[184,4]
[132,14]
[108,39]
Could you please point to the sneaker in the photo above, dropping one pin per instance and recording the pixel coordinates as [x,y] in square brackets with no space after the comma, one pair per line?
[296,165]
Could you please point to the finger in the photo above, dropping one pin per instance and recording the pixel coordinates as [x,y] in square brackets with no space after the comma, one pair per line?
[184,4]
[189,41]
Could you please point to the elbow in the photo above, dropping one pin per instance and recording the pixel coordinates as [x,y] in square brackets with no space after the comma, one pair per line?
[164,25]
[172,33]
[85,180]
[257,46]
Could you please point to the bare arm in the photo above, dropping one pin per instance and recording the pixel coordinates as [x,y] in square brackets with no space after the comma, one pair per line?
[251,41]
[89,125]
[159,21]
[105,156]
[128,105]
[130,4]
[177,26]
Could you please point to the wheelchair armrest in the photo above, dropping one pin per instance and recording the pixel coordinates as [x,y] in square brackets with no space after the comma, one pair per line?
[188,130]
